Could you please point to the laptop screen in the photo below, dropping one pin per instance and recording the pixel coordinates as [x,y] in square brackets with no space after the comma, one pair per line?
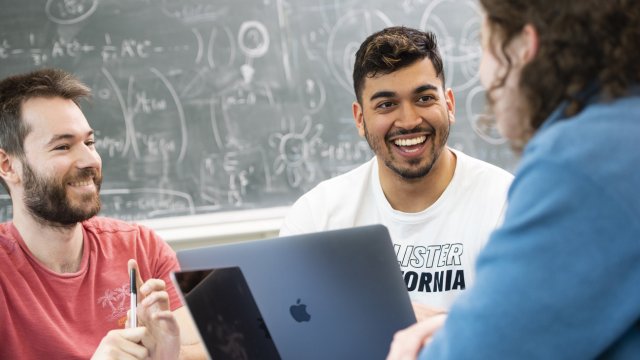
[226,314]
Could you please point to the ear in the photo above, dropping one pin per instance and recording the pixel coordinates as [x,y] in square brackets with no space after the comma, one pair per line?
[527,44]
[451,105]
[358,117]
[8,168]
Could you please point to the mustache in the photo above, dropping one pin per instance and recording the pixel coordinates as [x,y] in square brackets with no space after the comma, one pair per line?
[85,174]
[415,130]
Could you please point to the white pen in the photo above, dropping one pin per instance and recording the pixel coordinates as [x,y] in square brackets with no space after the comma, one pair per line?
[133,320]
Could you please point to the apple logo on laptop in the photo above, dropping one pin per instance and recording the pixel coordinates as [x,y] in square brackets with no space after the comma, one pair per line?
[299,312]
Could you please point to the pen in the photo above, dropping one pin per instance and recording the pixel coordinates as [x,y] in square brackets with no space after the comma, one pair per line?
[133,321]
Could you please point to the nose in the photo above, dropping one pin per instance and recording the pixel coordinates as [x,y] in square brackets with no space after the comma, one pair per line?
[88,157]
[408,117]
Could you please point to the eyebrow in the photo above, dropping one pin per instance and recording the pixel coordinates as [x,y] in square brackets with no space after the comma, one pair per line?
[388,94]
[59,137]
[424,88]
[382,94]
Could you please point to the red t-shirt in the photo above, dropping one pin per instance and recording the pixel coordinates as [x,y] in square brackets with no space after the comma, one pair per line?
[46,315]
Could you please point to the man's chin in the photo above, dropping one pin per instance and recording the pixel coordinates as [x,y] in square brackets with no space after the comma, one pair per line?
[411,173]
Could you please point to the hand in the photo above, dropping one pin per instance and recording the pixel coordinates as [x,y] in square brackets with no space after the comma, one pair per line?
[424,312]
[407,343]
[122,344]
[162,337]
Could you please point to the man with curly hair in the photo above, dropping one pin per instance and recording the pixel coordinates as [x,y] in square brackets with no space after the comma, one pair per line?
[560,279]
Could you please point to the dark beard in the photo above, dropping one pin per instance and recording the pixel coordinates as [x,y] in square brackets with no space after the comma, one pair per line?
[47,201]
[408,174]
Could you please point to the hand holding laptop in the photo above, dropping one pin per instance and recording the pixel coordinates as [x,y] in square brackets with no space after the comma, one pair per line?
[407,343]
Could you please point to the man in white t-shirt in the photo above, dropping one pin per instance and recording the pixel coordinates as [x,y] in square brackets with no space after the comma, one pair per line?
[439,204]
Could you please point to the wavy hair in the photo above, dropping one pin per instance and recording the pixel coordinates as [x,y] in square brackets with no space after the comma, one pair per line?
[582,43]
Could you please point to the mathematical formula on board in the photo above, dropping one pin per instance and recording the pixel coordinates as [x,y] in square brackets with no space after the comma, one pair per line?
[204,106]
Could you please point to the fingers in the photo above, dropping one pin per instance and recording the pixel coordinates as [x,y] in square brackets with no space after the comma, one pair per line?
[122,344]
[407,343]
[152,285]
[424,312]
[163,337]
[156,302]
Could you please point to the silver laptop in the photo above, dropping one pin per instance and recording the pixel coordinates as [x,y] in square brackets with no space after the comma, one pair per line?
[329,295]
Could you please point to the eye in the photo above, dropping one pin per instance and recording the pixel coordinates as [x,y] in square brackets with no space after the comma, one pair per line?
[90,143]
[385,105]
[62,147]
[426,99]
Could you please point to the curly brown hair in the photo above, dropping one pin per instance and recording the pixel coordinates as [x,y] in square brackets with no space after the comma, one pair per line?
[582,43]
[391,49]
[16,90]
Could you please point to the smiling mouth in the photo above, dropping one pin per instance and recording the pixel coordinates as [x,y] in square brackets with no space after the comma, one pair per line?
[81,183]
[410,142]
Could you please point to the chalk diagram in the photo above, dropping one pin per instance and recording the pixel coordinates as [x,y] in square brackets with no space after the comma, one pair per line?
[483,125]
[460,53]
[295,150]
[220,47]
[150,130]
[151,113]
[225,178]
[226,175]
[145,203]
[313,95]
[345,38]
[67,12]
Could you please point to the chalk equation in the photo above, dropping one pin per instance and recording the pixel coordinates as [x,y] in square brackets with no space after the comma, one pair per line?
[202,107]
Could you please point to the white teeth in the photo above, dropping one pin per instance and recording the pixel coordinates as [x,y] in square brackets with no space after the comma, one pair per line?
[83,183]
[410,142]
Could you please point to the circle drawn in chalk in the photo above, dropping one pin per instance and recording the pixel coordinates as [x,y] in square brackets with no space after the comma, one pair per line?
[314,95]
[482,124]
[67,12]
[459,42]
[345,38]
[253,39]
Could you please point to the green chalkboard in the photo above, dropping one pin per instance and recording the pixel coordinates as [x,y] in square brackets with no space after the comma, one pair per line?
[203,106]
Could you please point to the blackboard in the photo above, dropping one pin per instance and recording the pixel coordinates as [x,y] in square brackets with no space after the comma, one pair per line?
[202,106]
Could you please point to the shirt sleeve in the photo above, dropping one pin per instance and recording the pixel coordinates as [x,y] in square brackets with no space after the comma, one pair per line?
[559,280]
[163,264]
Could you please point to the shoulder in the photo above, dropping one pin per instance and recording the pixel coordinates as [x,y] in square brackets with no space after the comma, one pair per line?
[600,125]
[603,136]
[594,150]
[342,185]
[481,172]
[330,204]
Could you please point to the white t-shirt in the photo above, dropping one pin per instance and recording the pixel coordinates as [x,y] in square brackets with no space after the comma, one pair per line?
[437,247]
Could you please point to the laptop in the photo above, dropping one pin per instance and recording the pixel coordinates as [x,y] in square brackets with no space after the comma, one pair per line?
[329,295]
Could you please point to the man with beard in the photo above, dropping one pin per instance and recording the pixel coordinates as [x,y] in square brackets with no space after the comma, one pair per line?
[64,284]
[439,204]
